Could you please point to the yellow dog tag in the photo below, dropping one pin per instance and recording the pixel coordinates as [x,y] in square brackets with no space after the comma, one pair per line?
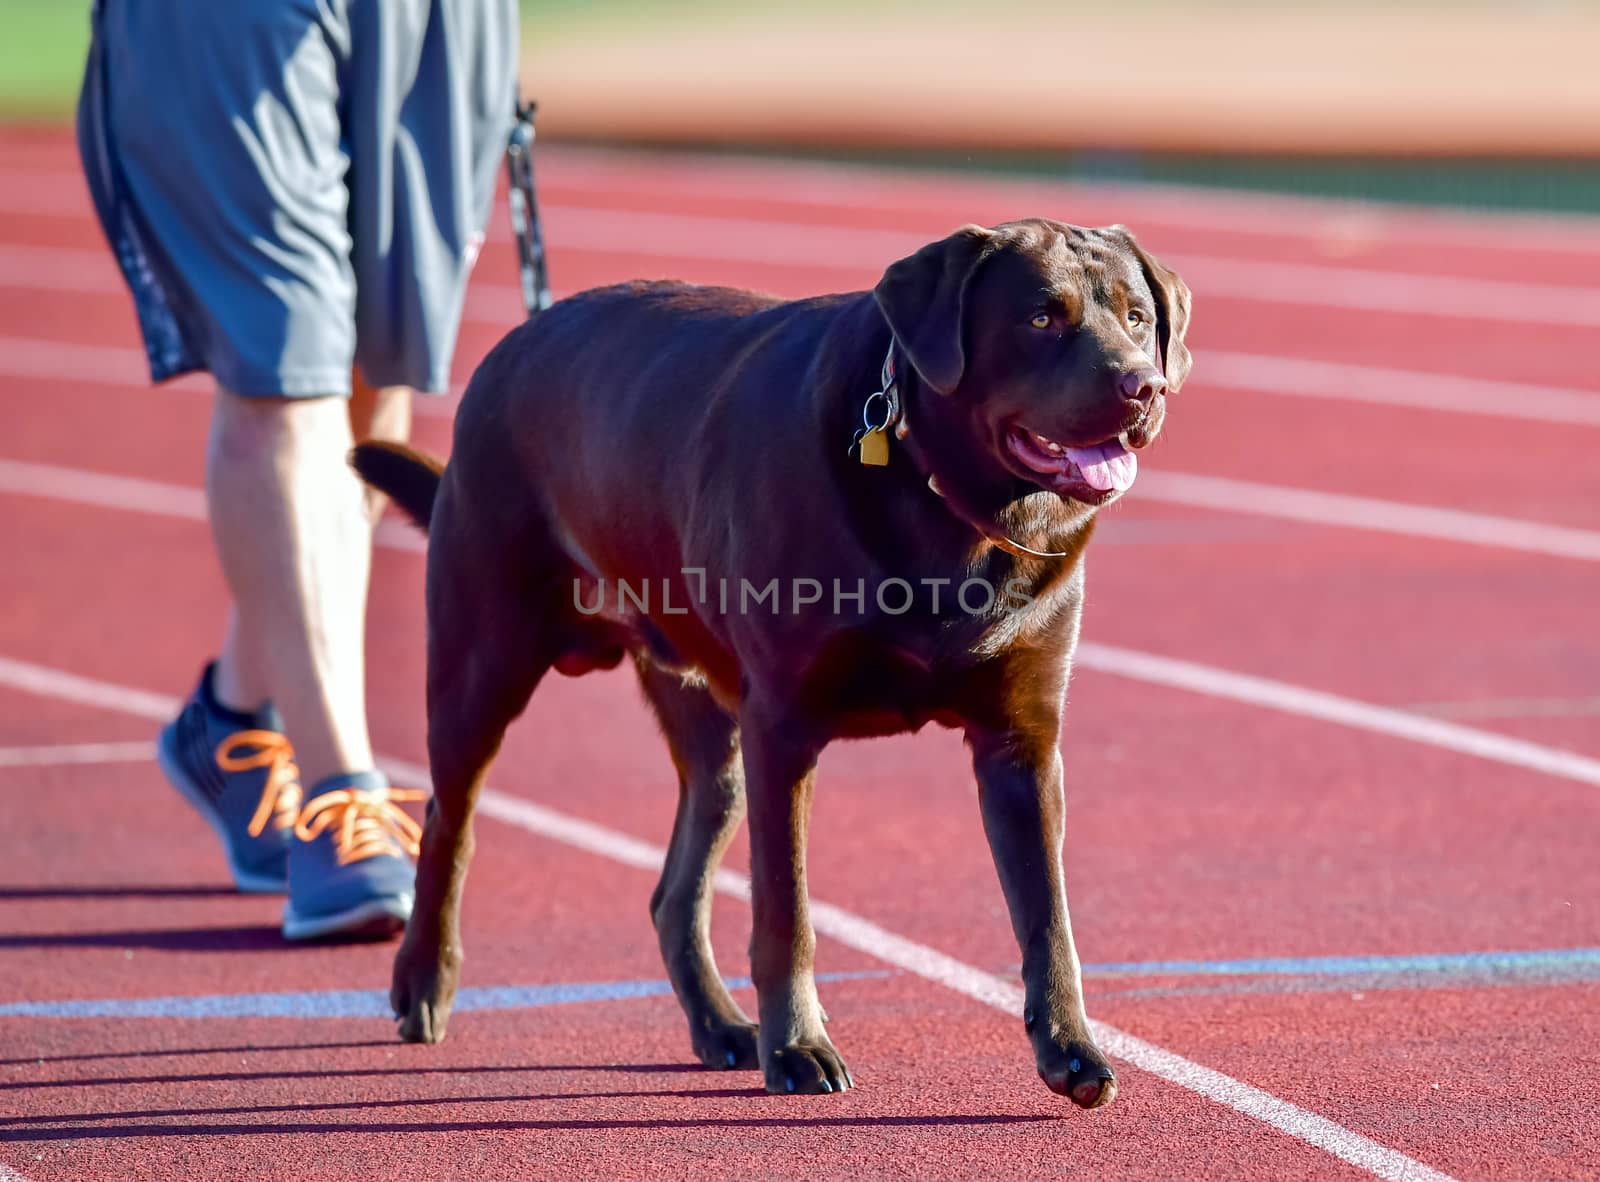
[875,448]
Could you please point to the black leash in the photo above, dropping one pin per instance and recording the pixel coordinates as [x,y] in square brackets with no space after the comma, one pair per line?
[525,225]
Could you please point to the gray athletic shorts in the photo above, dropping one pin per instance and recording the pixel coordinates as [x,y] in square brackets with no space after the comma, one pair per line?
[296,187]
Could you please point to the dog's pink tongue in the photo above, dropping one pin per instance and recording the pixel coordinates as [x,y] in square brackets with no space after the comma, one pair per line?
[1106,466]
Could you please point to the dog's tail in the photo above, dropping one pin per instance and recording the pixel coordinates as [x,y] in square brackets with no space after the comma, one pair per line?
[408,476]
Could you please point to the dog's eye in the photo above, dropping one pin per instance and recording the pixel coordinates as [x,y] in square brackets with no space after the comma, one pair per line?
[1040,320]
[1136,317]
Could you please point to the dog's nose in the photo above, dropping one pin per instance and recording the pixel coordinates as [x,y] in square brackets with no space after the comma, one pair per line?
[1142,385]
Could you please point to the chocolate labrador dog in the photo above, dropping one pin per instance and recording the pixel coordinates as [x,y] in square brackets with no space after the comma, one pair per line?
[805,521]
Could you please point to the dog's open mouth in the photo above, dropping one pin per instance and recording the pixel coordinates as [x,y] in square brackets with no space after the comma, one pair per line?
[1091,474]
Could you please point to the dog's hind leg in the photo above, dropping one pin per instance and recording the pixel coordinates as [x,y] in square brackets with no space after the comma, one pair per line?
[704,741]
[488,646]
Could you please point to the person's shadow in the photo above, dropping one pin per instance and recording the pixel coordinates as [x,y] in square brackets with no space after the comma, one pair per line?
[255,938]
[224,938]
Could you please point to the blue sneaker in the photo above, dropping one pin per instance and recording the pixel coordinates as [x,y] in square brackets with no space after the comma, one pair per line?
[350,872]
[238,772]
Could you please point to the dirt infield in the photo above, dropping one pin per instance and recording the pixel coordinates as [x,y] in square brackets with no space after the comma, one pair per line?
[1235,77]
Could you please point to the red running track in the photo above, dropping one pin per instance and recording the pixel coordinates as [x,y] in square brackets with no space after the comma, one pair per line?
[1250,844]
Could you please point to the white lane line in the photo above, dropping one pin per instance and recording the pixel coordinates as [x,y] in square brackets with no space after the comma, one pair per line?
[1348,712]
[608,172]
[1385,386]
[1179,488]
[67,754]
[1512,708]
[7,1174]
[77,486]
[107,492]
[834,922]
[1364,290]
[110,365]
[45,682]
[1207,680]
[46,192]
[34,359]
[72,361]
[694,238]
[585,173]
[1393,517]
[58,268]
[796,244]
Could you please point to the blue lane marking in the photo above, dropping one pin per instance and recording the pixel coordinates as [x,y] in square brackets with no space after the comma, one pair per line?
[358,1003]
[1296,974]
[1558,960]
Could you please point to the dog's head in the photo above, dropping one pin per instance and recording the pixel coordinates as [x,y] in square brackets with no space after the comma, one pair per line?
[1063,343]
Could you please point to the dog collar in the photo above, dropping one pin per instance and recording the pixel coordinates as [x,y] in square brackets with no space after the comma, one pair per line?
[870,445]
[879,412]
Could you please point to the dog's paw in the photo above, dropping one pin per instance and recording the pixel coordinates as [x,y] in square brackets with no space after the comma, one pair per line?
[809,1066]
[421,996]
[421,1022]
[1079,1072]
[728,1046]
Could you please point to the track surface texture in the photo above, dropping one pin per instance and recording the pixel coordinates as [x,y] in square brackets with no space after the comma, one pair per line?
[1334,752]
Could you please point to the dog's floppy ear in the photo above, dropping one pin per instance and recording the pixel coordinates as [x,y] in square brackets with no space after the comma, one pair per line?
[1172,310]
[922,297]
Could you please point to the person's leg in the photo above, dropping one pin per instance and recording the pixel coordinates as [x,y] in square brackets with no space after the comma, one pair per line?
[242,245]
[257,447]
[293,531]
[241,679]
[290,524]
[219,179]
[238,678]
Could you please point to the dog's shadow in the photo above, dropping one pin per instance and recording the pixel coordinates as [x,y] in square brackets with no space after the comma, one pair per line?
[190,1121]
[237,938]
[192,1128]
[95,1126]
[118,891]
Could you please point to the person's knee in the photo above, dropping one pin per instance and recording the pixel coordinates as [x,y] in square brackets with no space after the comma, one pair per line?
[251,431]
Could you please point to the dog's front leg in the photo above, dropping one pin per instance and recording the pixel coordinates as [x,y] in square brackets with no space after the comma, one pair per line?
[1020,789]
[780,774]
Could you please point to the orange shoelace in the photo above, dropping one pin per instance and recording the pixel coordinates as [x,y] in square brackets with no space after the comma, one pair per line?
[366,822]
[280,798]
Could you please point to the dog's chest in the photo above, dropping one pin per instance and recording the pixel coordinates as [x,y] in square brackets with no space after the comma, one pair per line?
[891,683]
[884,693]
[903,674]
